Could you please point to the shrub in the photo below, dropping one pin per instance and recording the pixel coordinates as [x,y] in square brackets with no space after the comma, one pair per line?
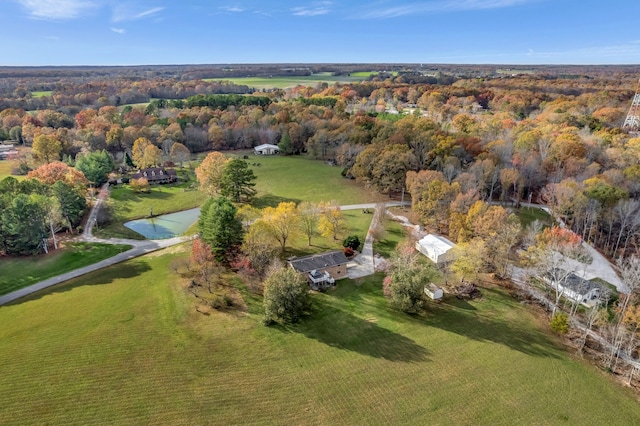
[560,323]
[352,241]
[348,251]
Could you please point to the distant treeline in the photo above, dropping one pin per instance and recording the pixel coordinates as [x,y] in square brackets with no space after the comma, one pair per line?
[220,102]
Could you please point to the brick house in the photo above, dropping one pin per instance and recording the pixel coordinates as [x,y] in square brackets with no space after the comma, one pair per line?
[321,270]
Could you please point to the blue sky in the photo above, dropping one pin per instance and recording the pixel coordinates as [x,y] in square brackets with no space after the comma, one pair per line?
[112,32]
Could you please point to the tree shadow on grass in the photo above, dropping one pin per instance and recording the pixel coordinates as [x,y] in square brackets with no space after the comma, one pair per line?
[454,302]
[485,325]
[271,200]
[342,330]
[486,320]
[108,275]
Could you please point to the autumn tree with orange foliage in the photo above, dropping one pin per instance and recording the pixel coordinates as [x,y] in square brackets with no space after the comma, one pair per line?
[60,172]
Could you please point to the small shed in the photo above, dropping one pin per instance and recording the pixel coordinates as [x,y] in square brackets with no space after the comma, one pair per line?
[266,149]
[433,291]
[436,248]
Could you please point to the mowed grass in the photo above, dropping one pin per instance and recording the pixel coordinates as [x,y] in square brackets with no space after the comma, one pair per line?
[528,215]
[19,272]
[126,346]
[5,168]
[285,82]
[40,94]
[356,223]
[129,205]
[298,178]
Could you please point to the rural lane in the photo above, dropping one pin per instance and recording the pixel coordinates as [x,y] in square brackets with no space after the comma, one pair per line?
[142,247]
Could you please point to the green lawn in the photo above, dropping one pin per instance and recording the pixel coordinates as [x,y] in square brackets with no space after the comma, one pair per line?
[19,272]
[357,223]
[125,346]
[278,82]
[39,94]
[298,178]
[528,214]
[5,168]
[129,205]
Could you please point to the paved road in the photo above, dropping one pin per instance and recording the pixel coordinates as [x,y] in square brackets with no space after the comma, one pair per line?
[91,221]
[141,248]
[600,267]
[138,248]
[373,205]
[363,265]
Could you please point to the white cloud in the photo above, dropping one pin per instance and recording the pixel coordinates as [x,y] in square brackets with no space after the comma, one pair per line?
[317,8]
[440,6]
[56,9]
[118,30]
[129,13]
[233,9]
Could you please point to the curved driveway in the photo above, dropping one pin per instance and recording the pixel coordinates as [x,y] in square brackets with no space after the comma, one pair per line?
[142,247]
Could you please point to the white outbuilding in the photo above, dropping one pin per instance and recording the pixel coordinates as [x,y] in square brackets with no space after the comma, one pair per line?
[266,149]
[433,291]
[436,248]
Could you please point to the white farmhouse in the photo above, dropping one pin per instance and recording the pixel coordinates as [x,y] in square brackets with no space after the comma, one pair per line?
[266,149]
[436,248]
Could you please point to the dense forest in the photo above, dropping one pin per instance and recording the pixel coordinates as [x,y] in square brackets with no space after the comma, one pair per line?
[448,135]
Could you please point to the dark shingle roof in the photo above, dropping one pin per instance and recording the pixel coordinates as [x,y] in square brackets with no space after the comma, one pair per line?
[318,261]
[155,173]
[576,283]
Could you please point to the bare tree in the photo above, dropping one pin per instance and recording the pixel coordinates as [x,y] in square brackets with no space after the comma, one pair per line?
[630,273]
[626,212]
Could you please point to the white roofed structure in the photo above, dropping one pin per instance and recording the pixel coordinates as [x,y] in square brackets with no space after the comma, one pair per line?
[436,248]
[266,149]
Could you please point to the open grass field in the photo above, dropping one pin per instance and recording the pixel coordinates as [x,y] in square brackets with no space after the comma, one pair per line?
[129,205]
[286,82]
[298,178]
[356,223]
[125,346]
[19,272]
[529,214]
[42,93]
[5,168]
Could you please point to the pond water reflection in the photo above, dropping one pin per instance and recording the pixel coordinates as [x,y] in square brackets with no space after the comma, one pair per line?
[165,226]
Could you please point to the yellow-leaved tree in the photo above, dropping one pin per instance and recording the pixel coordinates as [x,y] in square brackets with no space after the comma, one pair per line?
[282,221]
[210,172]
[331,221]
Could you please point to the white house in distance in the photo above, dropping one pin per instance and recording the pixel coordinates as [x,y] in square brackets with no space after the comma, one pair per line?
[266,149]
[436,248]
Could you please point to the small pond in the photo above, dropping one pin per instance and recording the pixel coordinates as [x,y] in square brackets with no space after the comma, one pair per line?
[165,226]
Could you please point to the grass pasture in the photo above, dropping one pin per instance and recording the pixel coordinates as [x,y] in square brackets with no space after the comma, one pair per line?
[42,93]
[19,272]
[284,82]
[125,346]
[129,205]
[5,168]
[298,178]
